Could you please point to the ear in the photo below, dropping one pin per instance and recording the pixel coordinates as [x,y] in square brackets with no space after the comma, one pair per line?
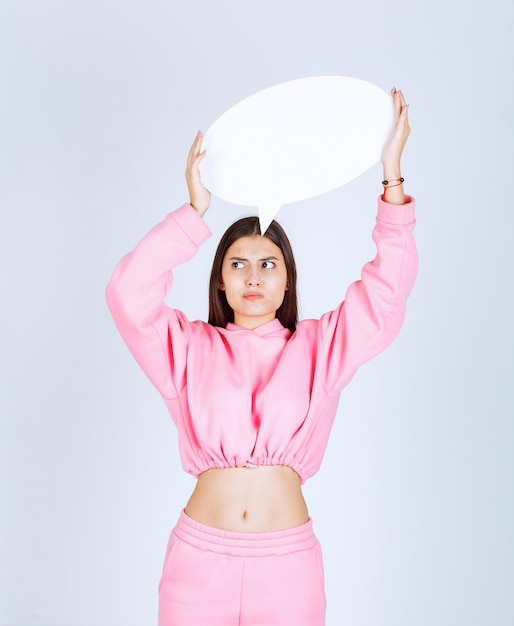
[287,286]
[221,286]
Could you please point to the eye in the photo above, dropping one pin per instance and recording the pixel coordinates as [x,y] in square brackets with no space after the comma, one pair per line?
[268,265]
[237,264]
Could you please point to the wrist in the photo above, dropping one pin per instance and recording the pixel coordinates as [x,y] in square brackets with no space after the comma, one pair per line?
[201,210]
[391,172]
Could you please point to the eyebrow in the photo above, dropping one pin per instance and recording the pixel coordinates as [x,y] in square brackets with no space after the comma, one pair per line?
[266,258]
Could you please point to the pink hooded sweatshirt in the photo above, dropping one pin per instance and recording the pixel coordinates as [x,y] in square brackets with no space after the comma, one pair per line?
[242,398]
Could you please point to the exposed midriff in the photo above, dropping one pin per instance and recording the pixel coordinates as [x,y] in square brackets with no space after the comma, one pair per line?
[249,499]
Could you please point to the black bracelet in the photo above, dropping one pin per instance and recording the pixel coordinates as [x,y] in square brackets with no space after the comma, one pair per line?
[394,180]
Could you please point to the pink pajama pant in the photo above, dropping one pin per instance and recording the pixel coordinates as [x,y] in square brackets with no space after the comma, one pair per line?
[221,578]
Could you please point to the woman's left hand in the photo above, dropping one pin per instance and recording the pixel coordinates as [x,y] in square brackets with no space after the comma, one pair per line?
[392,152]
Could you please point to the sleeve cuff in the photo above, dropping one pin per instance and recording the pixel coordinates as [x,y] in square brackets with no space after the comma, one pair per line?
[191,223]
[398,214]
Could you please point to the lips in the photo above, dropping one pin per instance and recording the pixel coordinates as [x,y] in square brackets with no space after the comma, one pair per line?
[252,295]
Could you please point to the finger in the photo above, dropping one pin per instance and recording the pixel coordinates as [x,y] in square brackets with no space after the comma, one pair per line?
[195,148]
[396,102]
[404,106]
[404,115]
[402,100]
[197,158]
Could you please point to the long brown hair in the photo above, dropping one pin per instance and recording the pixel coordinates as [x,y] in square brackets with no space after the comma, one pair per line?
[220,312]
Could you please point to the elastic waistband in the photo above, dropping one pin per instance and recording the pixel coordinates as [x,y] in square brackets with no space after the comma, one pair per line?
[244,544]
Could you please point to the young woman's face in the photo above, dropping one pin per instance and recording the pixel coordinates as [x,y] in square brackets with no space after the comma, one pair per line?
[254,279]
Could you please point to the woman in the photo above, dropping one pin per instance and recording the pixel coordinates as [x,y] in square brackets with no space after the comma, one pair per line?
[254,395]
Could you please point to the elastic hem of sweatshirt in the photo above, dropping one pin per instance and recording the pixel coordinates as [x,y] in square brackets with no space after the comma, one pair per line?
[191,223]
[297,469]
[397,214]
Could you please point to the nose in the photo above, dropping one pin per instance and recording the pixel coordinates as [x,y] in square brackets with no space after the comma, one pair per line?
[254,278]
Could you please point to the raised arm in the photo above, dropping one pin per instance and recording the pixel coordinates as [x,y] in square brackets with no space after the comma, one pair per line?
[373,310]
[155,334]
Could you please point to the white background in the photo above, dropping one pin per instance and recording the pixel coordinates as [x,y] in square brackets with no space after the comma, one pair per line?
[99,103]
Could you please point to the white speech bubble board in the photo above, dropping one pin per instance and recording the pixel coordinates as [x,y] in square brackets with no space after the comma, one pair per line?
[296,140]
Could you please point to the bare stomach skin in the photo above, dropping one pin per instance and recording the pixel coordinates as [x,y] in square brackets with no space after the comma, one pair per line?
[243,499]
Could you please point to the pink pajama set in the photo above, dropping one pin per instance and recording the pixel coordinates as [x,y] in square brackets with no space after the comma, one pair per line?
[247,398]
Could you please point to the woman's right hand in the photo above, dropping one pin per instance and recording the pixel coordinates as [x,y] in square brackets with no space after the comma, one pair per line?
[199,196]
